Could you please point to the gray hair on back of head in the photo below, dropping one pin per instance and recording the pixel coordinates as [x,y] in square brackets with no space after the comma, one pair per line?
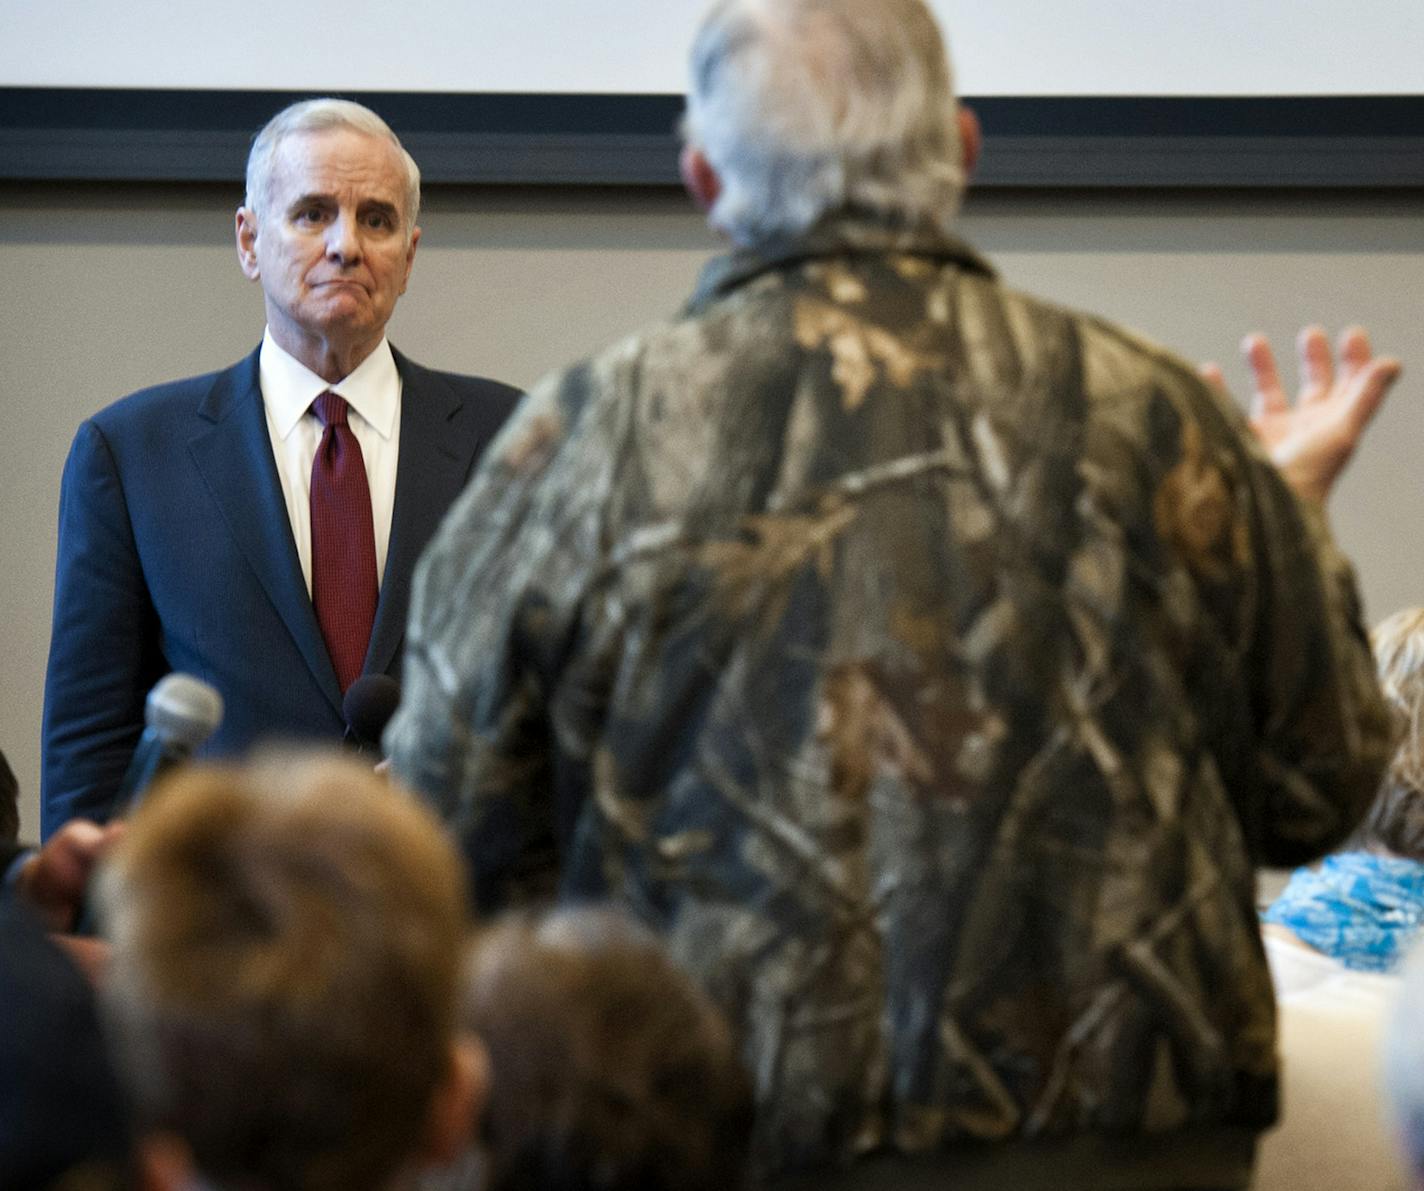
[806,106]
[323,115]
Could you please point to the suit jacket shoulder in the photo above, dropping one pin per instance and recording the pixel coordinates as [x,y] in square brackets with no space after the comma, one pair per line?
[174,398]
[489,402]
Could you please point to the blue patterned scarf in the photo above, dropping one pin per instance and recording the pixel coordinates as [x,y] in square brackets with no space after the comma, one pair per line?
[1360,908]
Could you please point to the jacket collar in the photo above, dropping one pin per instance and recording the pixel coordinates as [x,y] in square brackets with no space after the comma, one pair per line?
[843,234]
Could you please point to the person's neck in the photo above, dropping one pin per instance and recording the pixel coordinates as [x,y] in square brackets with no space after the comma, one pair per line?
[330,359]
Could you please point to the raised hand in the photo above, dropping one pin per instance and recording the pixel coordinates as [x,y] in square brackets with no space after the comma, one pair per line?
[1312,439]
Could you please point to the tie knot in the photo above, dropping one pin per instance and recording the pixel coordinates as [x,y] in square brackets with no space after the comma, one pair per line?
[330,409]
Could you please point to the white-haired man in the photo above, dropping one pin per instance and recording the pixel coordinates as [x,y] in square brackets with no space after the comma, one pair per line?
[258,526]
[928,664]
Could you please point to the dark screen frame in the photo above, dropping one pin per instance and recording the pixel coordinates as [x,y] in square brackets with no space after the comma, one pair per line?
[1335,142]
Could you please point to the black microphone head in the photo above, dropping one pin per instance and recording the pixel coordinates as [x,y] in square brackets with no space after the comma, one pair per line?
[369,703]
[182,710]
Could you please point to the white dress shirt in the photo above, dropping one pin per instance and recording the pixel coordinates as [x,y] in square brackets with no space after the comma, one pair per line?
[373,392]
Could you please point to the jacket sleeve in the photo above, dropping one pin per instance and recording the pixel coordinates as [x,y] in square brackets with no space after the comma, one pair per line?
[495,605]
[1325,732]
[104,650]
[1320,732]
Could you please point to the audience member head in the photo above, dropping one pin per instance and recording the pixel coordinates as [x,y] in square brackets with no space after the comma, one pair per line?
[610,1070]
[797,108]
[286,945]
[1395,822]
[62,1122]
[1404,1065]
[322,115]
[9,803]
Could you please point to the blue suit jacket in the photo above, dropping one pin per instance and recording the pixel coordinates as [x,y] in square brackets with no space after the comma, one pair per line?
[176,553]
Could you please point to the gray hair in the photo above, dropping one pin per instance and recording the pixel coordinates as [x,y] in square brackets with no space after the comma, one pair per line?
[806,106]
[1398,643]
[1395,820]
[323,115]
[1404,1063]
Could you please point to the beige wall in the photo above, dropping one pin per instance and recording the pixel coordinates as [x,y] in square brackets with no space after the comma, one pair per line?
[106,290]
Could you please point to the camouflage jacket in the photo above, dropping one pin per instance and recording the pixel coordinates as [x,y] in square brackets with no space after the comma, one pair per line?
[930,666]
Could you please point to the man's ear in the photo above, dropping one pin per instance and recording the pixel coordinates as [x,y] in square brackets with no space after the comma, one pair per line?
[165,1163]
[459,1102]
[247,243]
[410,256]
[699,177]
[971,138]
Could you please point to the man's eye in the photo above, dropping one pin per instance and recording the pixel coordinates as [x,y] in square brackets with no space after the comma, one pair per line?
[310,215]
[380,221]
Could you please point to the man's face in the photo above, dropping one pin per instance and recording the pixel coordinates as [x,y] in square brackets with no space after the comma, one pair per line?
[331,244]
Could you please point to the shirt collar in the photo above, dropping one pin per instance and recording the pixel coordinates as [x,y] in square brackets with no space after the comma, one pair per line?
[289,387]
[848,233]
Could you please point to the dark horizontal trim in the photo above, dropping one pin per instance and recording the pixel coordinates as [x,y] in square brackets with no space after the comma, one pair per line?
[1347,142]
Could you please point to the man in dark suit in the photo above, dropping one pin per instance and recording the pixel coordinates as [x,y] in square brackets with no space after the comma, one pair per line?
[257,527]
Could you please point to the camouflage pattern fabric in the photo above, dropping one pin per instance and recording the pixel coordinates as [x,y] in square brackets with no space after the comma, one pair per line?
[930,666]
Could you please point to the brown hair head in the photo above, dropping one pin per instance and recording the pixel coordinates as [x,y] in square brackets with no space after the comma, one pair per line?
[611,1070]
[286,948]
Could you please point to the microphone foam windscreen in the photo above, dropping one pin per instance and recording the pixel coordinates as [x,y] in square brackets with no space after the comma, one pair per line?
[183,710]
[369,704]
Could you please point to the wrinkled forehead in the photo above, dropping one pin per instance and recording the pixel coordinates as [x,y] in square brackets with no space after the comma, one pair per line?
[339,163]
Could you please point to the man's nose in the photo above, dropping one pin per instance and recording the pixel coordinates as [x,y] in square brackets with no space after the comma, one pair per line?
[343,240]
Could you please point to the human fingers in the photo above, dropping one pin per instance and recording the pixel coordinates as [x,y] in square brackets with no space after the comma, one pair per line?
[1354,350]
[1268,397]
[61,869]
[1212,374]
[1370,388]
[80,843]
[90,956]
[1317,366]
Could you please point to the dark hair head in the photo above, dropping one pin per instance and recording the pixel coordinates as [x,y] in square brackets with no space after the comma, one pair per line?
[611,1071]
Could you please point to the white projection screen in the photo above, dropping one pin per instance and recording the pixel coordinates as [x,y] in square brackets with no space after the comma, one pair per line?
[1080,92]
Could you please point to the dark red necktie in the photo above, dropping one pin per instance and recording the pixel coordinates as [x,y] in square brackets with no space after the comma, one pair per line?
[343,542]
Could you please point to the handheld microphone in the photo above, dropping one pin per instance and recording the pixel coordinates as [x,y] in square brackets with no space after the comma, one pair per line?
[367,708]
[180,713]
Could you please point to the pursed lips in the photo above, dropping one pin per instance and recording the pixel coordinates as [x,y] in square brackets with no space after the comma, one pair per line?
[339,283]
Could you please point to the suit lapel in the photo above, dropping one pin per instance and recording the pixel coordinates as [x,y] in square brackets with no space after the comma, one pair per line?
[434,464]
[233,453]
